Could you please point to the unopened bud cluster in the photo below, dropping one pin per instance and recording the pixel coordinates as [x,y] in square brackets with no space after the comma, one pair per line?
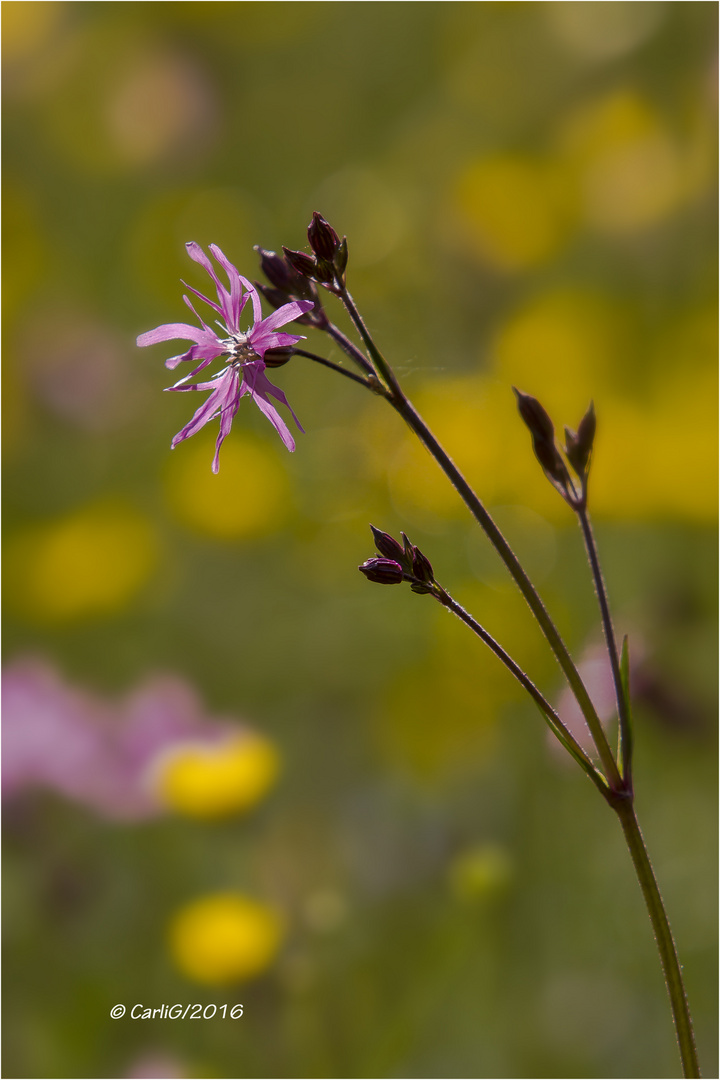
[328,262]
[286,284]
[577,449]
[399,562]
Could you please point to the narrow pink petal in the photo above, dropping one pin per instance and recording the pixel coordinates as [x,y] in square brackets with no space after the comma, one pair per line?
[275,419]
[197,352]
[197,254]
[182,385]
[223,396]
[264,387]
[168,331]
[263,341]
[226,418]
[285,314]
[237,300]
[260,388]
[210,303]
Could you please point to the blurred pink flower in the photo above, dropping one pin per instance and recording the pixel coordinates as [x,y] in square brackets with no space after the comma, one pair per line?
[95,752]
[244,350]
[596,673]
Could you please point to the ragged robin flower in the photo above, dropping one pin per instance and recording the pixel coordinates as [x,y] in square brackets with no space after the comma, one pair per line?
[243,351]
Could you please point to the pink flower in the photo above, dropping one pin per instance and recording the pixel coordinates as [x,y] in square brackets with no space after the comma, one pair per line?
[244,352]
[98,752]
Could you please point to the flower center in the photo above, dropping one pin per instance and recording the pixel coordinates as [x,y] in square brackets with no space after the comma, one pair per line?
[239,349]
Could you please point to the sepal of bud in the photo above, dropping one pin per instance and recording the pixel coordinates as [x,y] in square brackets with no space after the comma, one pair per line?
[421,587]
[542,431]
[325,271]
[578,447]
[301,263]
[323,239]
[275,297]
[341,259]
[421,566]
[382,571]
[388,546]
[535,416]
[276,270]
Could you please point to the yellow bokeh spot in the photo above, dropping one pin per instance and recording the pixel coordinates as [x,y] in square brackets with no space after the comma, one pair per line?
[27,27]
[225,938]
[660,459]
[476,420]
[480,872]
[90,563]
[248,498]
[632,172]
[515,212]
[562,347]
[213,780]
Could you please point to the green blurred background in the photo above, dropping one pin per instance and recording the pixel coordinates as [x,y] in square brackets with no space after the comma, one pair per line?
[529,195]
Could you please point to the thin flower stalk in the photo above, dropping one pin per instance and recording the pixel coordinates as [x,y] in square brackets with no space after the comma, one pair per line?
[554,722]
[663,938]
[404,407]
[626,744]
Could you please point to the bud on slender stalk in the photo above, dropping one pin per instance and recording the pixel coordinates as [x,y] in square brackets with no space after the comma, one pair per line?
[382,571]
[276,270]
[535,416]
[278,357]
[421,566]
[578,447]
[323,239]
[388,546]
[300,262]
[542,430]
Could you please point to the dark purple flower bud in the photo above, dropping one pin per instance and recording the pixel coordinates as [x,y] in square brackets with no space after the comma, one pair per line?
[316,317]
[301,263]
[532,412]
[323,239]
[276,270]
[275,297]
[387,546]
[278,357]
[578,447]
[383,571]
[553,465]
[421,566]
[543,439]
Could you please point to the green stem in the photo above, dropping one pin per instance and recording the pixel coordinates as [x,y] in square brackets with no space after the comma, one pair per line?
[336,367]
[622,701]
[554,722]
[481,515]
[663,936]
[402,405]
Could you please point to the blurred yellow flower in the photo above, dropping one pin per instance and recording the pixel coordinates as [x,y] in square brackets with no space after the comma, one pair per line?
[213,780]
[632,171]
[28,27]
[89,563]
[480,872]
[248,498]
[224,938]
[514,212]
[563,346]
